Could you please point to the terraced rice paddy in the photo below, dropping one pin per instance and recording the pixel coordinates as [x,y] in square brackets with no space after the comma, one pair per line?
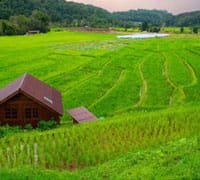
[112,77]
[105,74]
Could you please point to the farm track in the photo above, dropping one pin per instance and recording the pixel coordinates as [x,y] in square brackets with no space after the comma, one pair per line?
[144,88]
[121,76]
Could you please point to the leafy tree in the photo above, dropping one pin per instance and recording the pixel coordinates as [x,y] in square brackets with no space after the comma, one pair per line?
[145,26]
[39,21]
[182,30]
[21,22]
[8,28]
[195,29]
[154,29]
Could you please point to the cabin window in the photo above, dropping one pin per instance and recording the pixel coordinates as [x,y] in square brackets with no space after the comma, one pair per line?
[31,113]
[11,113]
[28,113]
[35,113]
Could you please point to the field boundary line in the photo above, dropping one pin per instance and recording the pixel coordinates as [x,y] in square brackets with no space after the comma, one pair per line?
[175,87]
[190,69]
[192,52]
[78,84]
[121,76]
[144,88]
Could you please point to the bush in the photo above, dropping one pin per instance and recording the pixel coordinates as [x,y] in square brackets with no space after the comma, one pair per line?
[7,130]
[182,30]
[46,125]
[28,127]
[154,29]
[7,28]
[195,29]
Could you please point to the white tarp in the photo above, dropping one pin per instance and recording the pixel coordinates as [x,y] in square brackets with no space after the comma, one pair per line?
[142,36]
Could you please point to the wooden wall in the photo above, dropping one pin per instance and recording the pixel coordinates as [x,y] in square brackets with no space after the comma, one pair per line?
[21,102]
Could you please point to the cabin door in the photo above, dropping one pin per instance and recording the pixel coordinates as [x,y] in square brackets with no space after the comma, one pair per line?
[12,115]
[31,114]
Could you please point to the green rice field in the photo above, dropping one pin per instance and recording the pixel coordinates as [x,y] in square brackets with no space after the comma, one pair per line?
[104,74]
[147,93]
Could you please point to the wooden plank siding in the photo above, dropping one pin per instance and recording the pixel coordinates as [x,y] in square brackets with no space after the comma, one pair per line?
[21,103]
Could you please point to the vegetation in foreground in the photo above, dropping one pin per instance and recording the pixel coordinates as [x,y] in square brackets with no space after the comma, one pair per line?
[75,148]
[178,160]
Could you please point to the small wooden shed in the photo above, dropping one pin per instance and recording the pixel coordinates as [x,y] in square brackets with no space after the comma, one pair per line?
[28,100]
[81,115]
[32,32]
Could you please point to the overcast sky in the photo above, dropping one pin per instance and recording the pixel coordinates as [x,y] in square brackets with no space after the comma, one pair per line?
[173,6]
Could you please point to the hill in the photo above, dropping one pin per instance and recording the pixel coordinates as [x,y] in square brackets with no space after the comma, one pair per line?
[70,14]
[155,17]
[67,13]
[187,19]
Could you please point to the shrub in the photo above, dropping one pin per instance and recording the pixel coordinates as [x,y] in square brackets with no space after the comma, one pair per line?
[7,130]
[182,30]
[154,29]
[46,125]
[7,28]
[195,29]
[28,127]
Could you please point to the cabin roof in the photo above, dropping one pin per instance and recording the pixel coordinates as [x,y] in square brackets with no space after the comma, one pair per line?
[35,88]
[82,115]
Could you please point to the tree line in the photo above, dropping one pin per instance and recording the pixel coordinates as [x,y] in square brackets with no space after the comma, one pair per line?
[19,25]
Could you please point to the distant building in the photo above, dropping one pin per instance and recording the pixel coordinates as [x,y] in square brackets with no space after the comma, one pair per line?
[28,100]
[32,32]
[81,115]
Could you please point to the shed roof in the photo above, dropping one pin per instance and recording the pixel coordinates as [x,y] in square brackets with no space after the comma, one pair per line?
[82,115]
[36,89]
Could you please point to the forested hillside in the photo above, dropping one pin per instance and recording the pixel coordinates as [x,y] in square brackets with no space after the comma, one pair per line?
[155,17]
[72,14]
[188,19]
[68,13]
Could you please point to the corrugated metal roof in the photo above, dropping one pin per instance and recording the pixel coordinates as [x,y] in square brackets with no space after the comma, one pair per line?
[36,89]
[82,115]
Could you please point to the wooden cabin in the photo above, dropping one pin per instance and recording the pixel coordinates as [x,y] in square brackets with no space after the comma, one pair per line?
[81,115]
[33,32]
[28,100]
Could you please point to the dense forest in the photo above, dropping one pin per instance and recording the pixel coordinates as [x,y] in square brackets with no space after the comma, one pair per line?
[69,14]
[60,11]
[154,17]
